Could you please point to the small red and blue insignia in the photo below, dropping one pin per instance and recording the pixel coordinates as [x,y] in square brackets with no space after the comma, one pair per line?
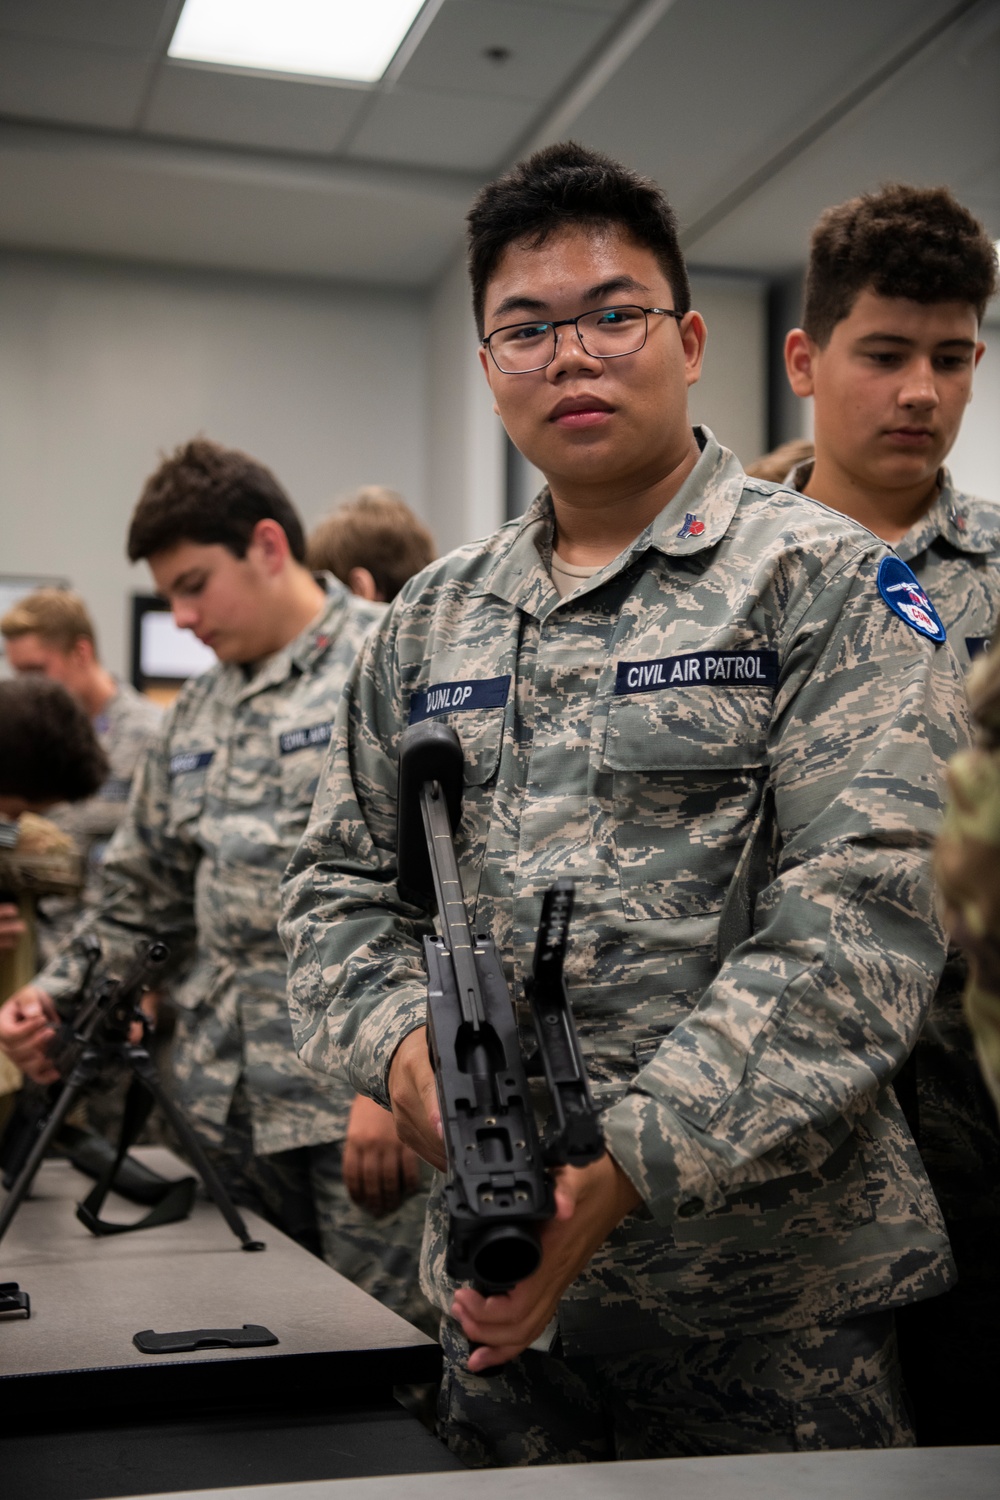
[692,526]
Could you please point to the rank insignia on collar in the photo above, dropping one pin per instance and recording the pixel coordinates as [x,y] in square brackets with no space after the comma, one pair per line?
[692,526]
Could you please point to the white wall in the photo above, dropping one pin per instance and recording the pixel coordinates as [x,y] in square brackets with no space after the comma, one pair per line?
[465,440]
[103,366]
[731,396]
[975,458]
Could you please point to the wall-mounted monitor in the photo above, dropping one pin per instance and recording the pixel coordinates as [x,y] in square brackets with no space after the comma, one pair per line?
[163,656]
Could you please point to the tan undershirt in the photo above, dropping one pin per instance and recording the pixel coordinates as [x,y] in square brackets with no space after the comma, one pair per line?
[567,576]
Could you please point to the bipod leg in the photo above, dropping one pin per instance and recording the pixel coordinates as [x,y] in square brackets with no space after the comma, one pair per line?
[75,1084]
[142,1065]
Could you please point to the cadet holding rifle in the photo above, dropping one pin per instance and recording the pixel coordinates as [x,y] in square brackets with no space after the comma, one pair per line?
[704,702]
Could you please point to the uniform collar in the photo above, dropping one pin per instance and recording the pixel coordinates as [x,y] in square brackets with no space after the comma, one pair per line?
[696,518]
[968,524]
[302,653]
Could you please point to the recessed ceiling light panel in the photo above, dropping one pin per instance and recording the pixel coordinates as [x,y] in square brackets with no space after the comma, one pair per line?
[351,39]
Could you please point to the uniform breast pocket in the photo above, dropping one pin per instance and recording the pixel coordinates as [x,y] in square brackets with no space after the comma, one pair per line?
[683,772]
[188,781]
[481,734]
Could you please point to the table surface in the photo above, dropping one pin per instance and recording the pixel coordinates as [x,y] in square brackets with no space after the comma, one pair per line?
[90,1295]
[894,1474]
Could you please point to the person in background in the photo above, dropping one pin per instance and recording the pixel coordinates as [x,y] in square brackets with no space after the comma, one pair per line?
[896,288]
[967,862]
[373,543]
[48,754]
[682,689]
[776,465]
[50,634]
[220,802]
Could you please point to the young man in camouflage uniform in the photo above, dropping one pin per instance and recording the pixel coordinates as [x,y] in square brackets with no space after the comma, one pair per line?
[51,634]
[657,653]
[219,804]
[896,288]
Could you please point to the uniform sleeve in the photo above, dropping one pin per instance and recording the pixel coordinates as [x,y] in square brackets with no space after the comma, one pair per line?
[808,1019]
[148,880]
[357,984]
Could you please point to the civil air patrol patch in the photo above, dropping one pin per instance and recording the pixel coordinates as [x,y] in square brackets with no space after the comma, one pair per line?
[699,669]
[458,697]
[190,760]
[305,739]
[906,598]
[692,526]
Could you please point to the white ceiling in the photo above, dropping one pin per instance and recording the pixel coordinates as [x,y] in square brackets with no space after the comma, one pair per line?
[753,114]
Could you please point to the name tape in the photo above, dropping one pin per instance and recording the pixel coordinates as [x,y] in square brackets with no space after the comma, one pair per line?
[699,669]
[190,760]
[304,739]
[458,697]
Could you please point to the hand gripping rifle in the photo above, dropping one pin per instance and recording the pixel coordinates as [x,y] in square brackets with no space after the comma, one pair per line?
[498,1190]
[100,1033]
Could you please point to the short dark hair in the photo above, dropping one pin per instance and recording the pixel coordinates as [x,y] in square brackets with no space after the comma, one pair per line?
[48,749]
[209,494]
[563,186]
[913,242]
[374,529]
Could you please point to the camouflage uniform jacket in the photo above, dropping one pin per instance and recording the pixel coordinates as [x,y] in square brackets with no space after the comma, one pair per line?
[955,552]
[124,728]
[218,807]
[624,735]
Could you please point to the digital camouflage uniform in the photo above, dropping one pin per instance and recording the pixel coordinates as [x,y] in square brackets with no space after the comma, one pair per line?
[624,735]
[124,728]
[955,552]
[218,806]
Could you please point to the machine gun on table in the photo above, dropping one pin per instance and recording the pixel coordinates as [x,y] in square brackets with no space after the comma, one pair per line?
[99,1036]
[498,1189]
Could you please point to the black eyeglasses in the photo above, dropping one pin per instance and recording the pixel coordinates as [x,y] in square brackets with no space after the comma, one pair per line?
[605,333]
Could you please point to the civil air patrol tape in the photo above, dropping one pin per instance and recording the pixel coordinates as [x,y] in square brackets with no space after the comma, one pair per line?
[699,669]
[458,697]
[305,739]
[906,597]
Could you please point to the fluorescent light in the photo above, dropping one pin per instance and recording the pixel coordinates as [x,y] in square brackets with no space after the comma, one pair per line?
[352,39]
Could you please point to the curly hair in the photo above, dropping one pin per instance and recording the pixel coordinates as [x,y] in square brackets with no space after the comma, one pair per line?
[48,749]
[565,186]
[912,242]
[209,494]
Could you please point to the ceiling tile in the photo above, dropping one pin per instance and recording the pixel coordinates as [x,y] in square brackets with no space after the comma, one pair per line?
[77,85]
[211,104]
[176,204]
[547,43]
[461,132]
[133,25]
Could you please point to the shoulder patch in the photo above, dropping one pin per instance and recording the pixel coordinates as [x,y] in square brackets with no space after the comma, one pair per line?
[907,598]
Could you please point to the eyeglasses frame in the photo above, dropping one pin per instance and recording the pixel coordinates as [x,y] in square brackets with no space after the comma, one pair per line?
[486,343]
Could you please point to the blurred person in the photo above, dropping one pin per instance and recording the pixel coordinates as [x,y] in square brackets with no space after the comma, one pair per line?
[373,543]
[968,863]
[48,754]
[50,633]
[220,802]
[896,288]
[776,466]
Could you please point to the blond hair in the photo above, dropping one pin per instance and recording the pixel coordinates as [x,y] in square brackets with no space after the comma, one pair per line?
[375,529]
[56,616]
